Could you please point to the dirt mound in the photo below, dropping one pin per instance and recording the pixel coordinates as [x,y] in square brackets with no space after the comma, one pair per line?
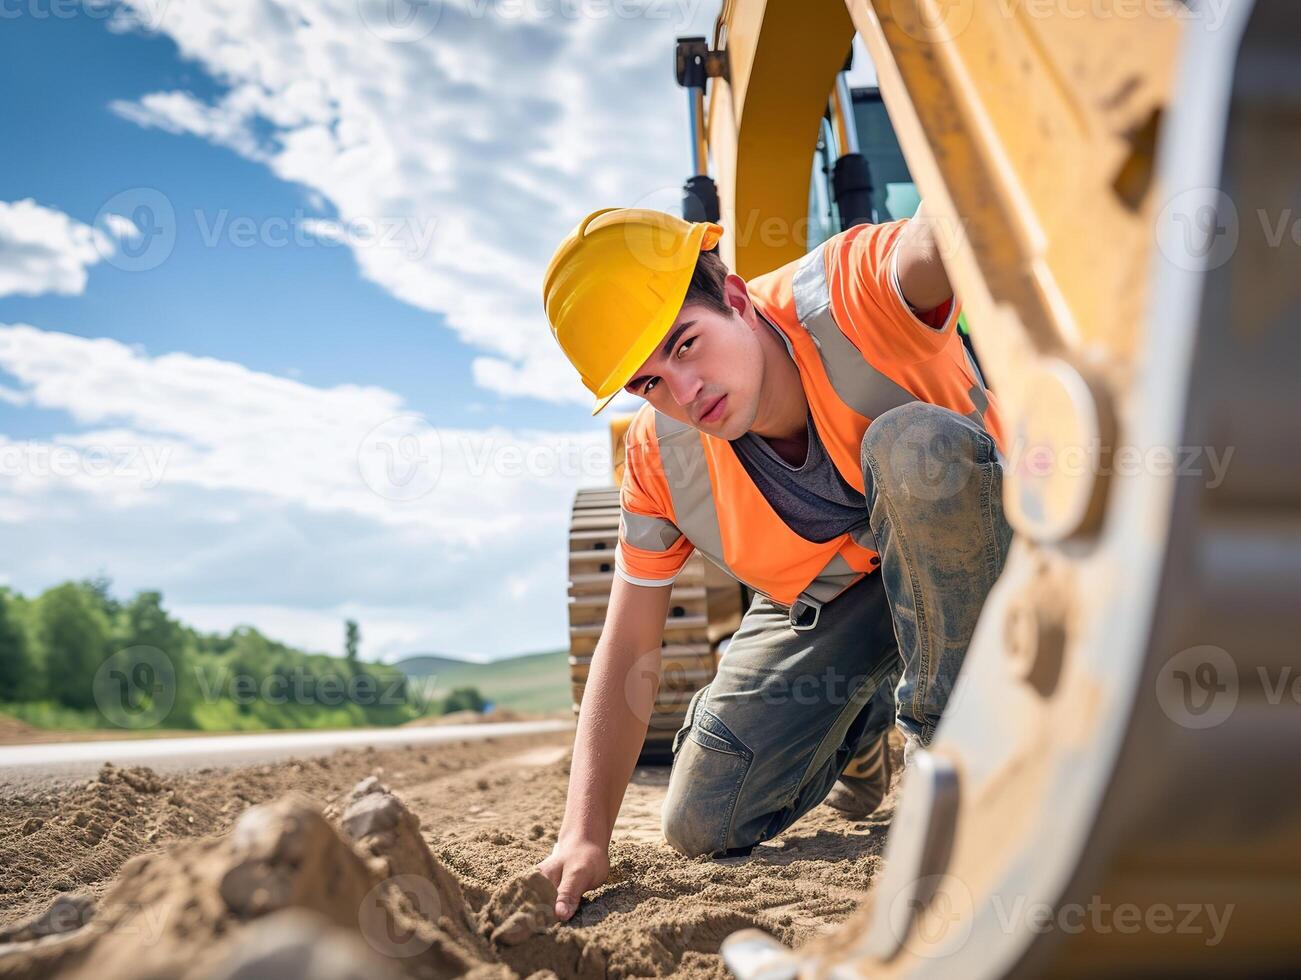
[79,835]
[369,888]
[190,905]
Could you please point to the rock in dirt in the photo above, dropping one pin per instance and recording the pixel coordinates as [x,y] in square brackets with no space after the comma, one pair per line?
[523,907]
[519,919]
[370,784]
[284,854]
[67,913]
[371,813]
[385,832]
[299,945]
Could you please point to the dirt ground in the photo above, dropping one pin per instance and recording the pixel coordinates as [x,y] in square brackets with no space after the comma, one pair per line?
[185,875]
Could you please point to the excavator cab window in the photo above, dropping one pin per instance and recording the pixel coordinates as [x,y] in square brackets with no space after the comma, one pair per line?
[894,195]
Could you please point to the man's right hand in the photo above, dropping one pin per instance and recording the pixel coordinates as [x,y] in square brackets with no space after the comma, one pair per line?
[574,868]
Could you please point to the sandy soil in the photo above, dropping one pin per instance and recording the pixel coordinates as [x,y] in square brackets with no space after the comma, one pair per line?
[189,876]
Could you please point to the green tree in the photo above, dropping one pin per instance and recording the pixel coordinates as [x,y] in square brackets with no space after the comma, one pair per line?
[351,641]
[145,626]
[74,633]
[464,699]
[18,679]
[248,662]
[100,590]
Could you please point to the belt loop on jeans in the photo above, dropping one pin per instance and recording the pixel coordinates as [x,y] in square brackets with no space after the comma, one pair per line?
[805,613]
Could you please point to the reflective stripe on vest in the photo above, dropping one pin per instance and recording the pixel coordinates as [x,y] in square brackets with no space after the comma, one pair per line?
[857,383]
[648,533]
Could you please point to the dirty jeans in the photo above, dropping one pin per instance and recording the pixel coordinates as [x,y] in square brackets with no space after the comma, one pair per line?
[765,741]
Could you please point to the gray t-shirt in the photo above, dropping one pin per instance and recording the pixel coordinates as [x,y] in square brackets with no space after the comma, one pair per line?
[813,499]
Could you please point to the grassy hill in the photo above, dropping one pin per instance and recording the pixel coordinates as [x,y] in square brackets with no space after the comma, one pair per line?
[531,682]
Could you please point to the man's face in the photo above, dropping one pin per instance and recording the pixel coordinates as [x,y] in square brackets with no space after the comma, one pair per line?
[708,371]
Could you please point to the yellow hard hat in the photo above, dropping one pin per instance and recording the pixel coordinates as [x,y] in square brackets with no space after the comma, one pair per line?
[615,286]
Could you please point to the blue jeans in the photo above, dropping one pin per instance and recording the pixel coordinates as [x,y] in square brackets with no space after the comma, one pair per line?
[765,741]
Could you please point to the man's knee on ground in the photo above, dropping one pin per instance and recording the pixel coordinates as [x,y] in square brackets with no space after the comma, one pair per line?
[710,765]
[685,831]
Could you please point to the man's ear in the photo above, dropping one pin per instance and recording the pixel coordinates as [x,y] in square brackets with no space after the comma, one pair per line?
[736,294]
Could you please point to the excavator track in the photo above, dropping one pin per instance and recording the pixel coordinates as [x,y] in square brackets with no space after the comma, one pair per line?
[687,658]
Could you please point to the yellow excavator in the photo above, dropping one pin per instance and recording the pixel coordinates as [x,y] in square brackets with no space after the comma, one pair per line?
[1113,787]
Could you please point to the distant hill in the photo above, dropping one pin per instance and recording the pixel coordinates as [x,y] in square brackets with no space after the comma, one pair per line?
[532,682]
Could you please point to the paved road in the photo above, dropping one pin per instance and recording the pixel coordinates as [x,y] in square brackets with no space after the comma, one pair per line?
[27,765]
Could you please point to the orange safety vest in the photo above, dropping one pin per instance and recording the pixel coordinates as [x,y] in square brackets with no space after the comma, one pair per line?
[860,352]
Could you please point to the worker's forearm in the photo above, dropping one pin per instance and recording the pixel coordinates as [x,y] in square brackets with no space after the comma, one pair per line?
[611,730]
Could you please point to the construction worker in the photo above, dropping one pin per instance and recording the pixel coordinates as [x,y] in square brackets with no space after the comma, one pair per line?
[820,433]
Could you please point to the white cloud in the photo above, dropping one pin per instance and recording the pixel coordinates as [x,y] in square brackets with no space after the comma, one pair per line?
[330,231]
[181,112]
[121,228]
[235,490]
[45,251]
[503,122]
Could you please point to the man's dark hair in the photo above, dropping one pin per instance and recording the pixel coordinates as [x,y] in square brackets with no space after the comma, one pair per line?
[707,281]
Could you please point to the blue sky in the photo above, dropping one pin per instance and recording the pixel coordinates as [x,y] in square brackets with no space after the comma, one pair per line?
[256,375]
[299,310]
